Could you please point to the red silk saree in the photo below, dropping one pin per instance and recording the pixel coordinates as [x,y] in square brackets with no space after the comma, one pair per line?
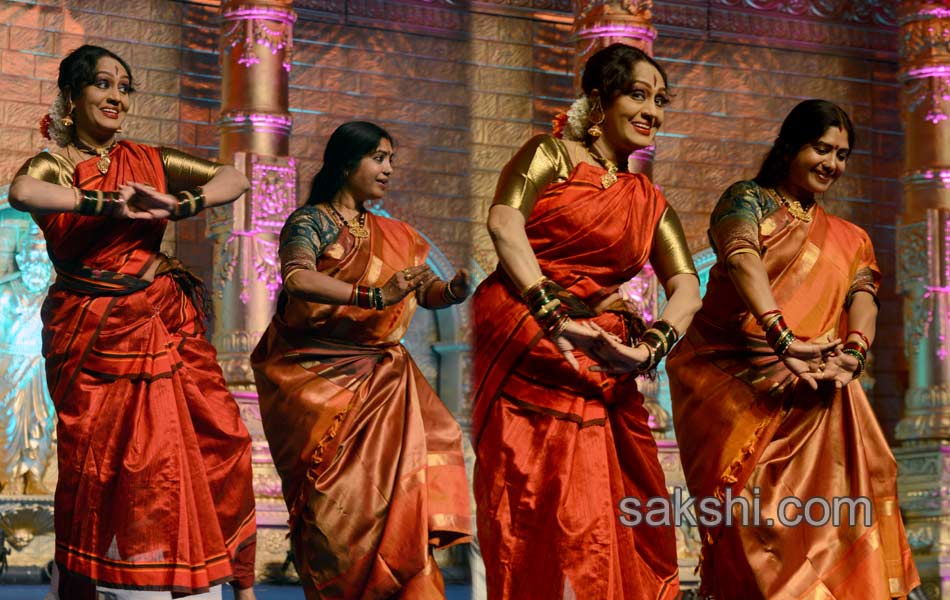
[557,449]
[154,489]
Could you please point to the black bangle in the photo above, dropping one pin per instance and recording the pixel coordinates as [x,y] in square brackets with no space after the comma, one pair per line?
[190,203]
[96,203]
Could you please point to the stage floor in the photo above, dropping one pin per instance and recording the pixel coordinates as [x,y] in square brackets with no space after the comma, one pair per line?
[264,592]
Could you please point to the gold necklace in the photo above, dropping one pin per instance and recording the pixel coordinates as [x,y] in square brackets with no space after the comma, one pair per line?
[103,152]
[610,177]
[358,231]
[794,207]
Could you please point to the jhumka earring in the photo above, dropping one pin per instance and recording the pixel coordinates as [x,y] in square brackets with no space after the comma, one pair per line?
[67,119]
[595,130]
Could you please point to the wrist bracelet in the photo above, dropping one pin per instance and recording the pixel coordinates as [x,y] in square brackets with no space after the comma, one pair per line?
[368,297]
[190,203]
[449,296]
[96,203]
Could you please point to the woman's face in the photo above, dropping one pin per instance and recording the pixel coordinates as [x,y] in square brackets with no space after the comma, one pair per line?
[819,164]
[103,104]
[632,120]
[371,177]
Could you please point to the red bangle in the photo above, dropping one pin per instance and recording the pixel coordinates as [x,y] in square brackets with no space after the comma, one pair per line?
[864,338]
[761,318]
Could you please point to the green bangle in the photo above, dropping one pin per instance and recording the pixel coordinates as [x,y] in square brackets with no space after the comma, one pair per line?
[190,203]
[96,203]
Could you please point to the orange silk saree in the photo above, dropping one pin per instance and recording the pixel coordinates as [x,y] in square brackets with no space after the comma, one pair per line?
[154,489]
[369,457]
[745,423]
[557,449]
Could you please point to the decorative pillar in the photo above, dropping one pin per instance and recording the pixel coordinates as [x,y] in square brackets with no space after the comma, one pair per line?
[599,23]
[255,124]
[924,280]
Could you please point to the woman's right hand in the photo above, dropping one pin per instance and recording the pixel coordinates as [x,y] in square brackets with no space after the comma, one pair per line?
[404,282]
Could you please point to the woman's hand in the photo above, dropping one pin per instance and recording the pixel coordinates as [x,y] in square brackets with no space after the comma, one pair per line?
[461,285]
[804,359]
[402,283]
[840,368]
[576,336]
[614,356]
[145,202]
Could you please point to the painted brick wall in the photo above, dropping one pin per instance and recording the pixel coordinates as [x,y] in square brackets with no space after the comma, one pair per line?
[461,90]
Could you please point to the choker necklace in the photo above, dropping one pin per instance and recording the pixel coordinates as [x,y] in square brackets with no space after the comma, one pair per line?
[794,207]
[610,177]
[104,160]
[358,231]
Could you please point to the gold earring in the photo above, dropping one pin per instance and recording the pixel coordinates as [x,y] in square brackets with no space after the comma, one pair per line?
[595,131]
[67,121]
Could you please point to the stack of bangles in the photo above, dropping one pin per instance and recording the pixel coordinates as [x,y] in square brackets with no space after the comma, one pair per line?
[448,296]
[858,349]
[545,308]
[190,203]
[96,203]
[659,340]
[777,333]
[367,297]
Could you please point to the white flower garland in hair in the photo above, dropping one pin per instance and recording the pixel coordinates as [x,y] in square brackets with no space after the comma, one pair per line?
[573,124]
[52,124]
[578,119]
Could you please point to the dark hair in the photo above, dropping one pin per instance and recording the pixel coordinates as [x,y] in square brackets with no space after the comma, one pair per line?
[78,69]
[807,122]
[610,71]
[345,149]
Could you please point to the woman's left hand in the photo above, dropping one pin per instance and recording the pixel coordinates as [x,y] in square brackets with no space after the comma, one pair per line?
[149,203]
[461,285]
[840,368]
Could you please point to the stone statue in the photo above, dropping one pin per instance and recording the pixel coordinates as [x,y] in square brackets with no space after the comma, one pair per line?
[27,415]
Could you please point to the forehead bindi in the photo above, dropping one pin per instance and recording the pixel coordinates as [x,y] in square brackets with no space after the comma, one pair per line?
[836,137]
[647,75]
[108,66]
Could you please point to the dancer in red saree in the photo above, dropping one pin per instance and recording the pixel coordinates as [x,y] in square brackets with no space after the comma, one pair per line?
[562,438]
[369,457]
[758,411]
[154,489]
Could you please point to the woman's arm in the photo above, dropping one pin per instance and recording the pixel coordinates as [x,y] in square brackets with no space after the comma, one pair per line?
[314,286]
[515,255]
[39,197]
[226,186]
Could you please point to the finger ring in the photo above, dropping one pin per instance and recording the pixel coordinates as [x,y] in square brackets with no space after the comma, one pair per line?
[407,273]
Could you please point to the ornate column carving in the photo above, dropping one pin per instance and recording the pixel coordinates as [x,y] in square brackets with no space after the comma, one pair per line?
[256,44]
[599,23]
[924,280]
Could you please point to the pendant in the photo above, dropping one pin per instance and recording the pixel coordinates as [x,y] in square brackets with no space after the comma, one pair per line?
[103,163]
[609,178]
[359,232]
